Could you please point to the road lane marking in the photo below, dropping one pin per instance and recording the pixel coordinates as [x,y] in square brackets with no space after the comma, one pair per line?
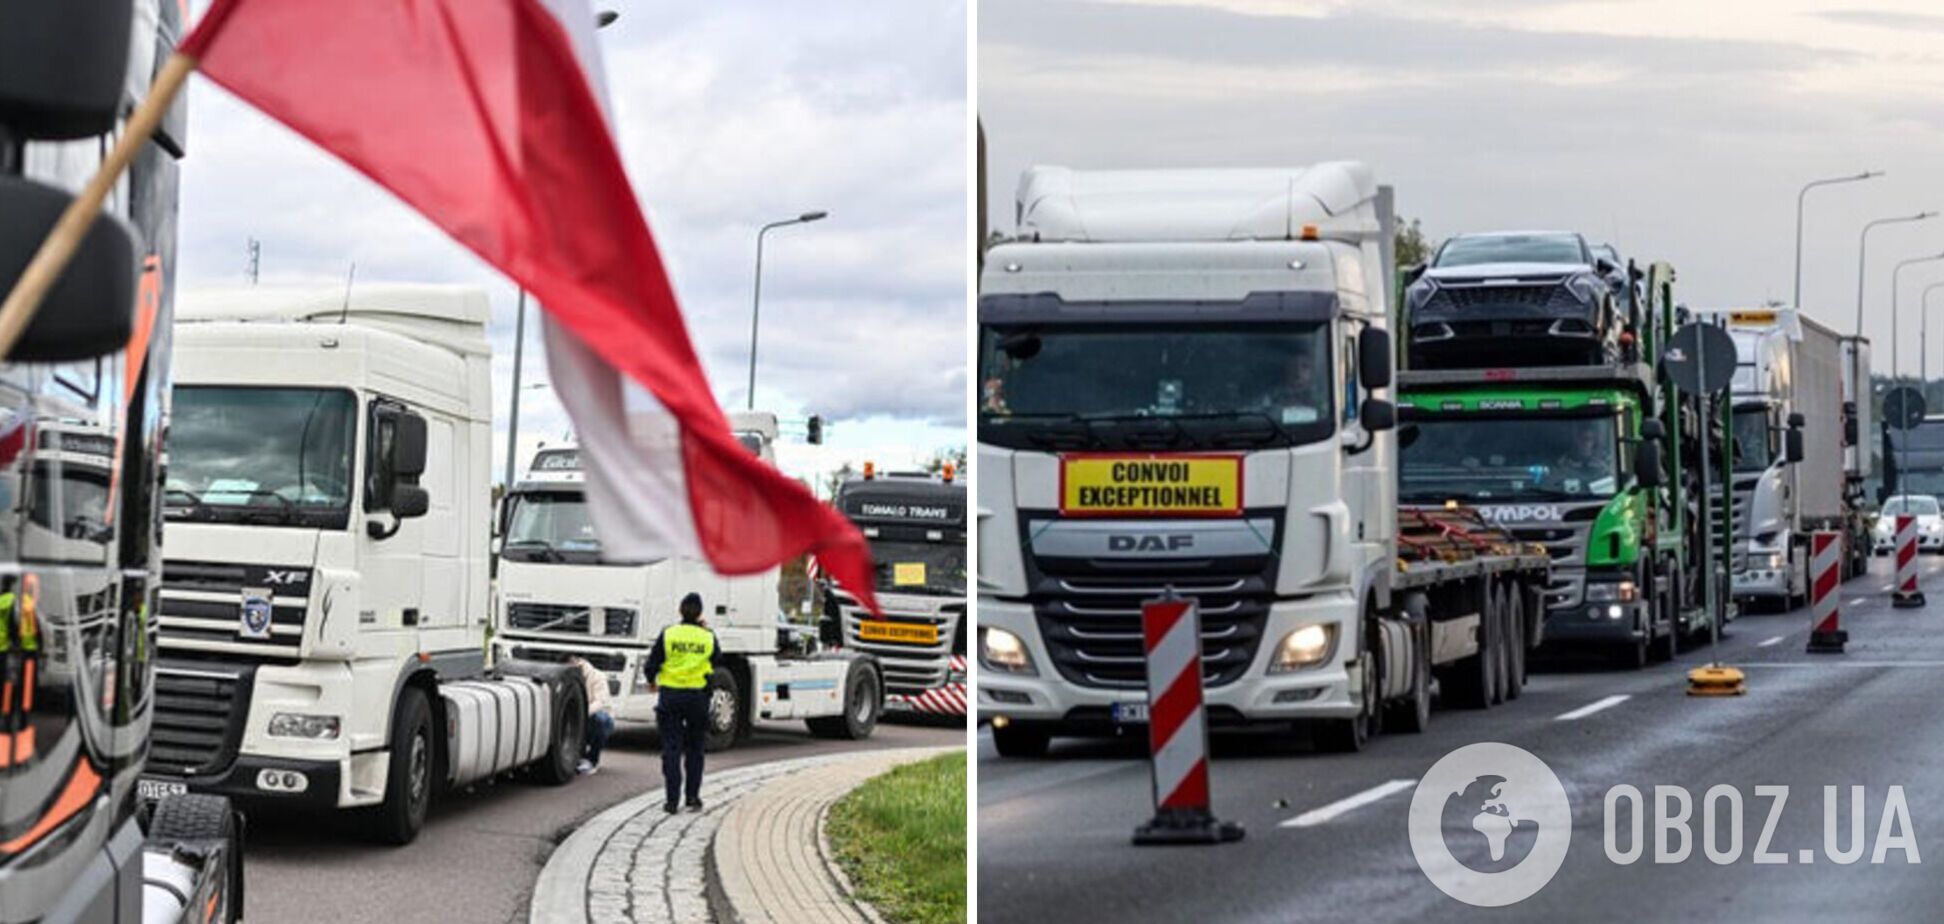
[1317,816]
[1856,602]
[1767,642]
[1595,706]
[1845,662]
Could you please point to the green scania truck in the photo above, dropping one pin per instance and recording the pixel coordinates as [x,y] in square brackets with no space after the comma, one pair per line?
[1598,463]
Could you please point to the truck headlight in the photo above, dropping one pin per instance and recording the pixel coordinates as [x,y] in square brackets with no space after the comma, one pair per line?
[1305,647]
[298,725]
[1611,592]
[1004,652]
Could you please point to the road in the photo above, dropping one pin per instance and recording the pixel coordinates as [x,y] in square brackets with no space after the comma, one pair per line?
[1053,834]
[478,855]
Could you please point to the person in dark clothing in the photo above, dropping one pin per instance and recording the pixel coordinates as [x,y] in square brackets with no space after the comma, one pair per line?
[678,670]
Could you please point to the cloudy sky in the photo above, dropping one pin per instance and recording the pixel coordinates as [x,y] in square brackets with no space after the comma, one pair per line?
[728,116]
[1680,130]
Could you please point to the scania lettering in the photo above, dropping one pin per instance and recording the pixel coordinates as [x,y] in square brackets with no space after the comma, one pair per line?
[915,523]
[1184,379]
[324,602]
[559,596]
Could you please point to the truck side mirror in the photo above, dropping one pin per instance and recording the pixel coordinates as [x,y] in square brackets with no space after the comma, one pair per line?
[1796,421]
[408,446]
[1850,433]
[1652,429]
[1373,360]
[1792,445]
[90,310]
[62,66]
[814,434]
[1377,415]
[410,501]
[1647,462]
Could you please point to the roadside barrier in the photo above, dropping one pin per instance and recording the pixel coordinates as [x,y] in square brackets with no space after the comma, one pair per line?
[1826,635]
[1178,728]
[1907,595]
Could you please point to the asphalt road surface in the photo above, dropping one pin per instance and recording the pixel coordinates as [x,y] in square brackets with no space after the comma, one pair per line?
[480,850]
[1327,834]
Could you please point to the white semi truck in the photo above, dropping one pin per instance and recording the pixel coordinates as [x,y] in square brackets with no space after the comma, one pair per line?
[1183,387]
[915,523]
[324,598]
[560,596]
[1791,466]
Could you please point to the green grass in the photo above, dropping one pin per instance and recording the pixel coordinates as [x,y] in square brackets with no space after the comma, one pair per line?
[901,839]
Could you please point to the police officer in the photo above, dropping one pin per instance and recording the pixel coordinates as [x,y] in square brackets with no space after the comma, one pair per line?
[679,669]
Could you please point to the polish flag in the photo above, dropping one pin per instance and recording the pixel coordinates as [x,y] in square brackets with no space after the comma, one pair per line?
[490,118]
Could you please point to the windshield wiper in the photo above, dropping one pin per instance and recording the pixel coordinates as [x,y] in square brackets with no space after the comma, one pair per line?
[539,545]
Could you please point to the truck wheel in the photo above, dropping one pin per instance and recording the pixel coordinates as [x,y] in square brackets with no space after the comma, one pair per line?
[728,720]
[1347,736]
[193,818]
[1413,713]
[1014,741]
[861,702]
[562,760]
[408,782]
[1501,650]
[1515,642]
[1470,680]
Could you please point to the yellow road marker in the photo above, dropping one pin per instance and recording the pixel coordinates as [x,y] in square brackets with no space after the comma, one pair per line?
[1716,680]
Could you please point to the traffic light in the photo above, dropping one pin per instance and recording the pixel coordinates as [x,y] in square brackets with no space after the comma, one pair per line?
[815,435]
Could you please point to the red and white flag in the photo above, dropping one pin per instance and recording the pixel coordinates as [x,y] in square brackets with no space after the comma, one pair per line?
[489,117]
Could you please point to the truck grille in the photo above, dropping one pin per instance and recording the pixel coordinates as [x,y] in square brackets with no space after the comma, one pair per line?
[199,716]
[549,617]
[1089,613]
[607,661]
[1744,494]
[201,605]
[908,668]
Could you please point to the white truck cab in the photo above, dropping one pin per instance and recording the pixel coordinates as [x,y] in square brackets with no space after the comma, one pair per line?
[324,599]
[1171,399]
[559,596]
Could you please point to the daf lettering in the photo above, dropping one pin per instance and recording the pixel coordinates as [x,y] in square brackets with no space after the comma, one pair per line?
[1149,543]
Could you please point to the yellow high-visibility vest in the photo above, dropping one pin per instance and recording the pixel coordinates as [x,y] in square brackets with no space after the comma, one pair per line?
[686,649]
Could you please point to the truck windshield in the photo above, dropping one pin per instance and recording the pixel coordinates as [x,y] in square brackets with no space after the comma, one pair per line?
[275,456]
[1753,449]
[1476,249]
[551,527]
[905,567]
[1496,459]
[1114,386]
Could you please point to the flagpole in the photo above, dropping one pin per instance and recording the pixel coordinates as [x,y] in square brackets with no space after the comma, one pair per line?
[58,249]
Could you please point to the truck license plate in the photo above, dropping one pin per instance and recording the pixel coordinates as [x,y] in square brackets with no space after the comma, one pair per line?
[900,633]
[1130,713]
[152,790]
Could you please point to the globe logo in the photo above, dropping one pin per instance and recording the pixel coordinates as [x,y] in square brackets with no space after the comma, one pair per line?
[1490,824]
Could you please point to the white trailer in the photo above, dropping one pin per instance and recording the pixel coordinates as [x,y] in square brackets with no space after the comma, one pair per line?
[324,597]
[558,596]
[1183,386]
[1790,453]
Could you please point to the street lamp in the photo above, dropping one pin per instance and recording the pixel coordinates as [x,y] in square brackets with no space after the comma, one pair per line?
[1923,349]
[756,302]
[1800,196]
[602,20]
[1894,274]
[1862,254]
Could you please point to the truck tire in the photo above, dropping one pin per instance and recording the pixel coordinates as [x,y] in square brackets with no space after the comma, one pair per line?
[861,705]
[1469,681]
[728,715]
[1014,741]
[1501,653]
[196,817]
[562,761]
[409,779]
[1348,736]
[1413,713]
[1515,642]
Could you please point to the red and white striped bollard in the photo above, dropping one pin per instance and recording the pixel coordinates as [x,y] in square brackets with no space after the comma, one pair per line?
[1178,728]
[1826,635]
[1907,595]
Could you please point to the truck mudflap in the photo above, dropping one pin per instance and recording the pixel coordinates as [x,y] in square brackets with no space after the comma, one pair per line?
[495,725]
